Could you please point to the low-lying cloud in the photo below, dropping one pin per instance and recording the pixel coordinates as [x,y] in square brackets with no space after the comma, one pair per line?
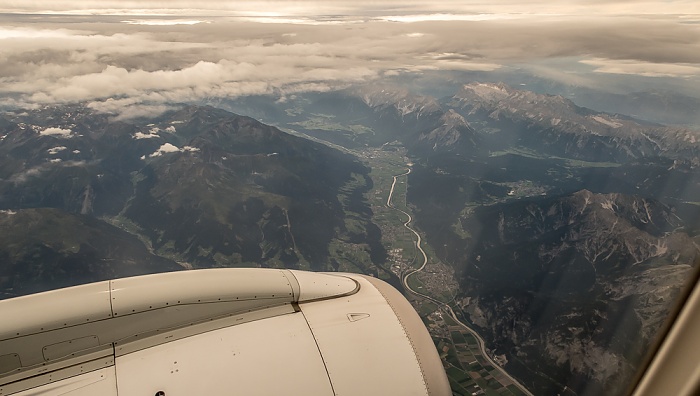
[56,150]
[643,68]
[166,148]
[57,132]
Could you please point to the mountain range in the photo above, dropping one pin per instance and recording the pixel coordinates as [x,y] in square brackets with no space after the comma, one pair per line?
[494,117]
[570,231]
[577,284]
[555,125]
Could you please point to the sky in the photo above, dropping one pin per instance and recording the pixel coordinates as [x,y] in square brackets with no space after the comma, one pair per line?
[132,57]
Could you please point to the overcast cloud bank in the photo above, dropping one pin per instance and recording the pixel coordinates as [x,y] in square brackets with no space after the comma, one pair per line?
[141,64]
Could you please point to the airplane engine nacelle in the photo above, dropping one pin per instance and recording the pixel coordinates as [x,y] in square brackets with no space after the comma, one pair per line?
[219,331]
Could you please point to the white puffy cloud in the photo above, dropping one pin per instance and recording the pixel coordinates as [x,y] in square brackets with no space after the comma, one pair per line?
[153,133]
[141,135]
[165,148]
[57,132]
[56,150]
[170,148]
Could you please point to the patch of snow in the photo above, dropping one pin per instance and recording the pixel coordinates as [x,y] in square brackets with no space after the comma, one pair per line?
[190,149]
[651,140]
[555,121]
[488,91]
[607,205]
[58,132]
[76,151]
[55,160]
[177,122]
[170,129]
[605,121]
[8,212]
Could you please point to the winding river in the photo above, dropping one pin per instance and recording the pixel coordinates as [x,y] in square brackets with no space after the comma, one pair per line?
[444,307]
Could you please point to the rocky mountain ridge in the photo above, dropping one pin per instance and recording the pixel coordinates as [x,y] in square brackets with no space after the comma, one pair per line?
[401,99]
[454,135]
[578,283]
[555,125]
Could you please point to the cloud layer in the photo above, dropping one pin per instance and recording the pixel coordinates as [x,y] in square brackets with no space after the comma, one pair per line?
[139,64]
[356,8]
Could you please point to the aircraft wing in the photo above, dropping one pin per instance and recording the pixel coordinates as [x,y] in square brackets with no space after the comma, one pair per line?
[219,332]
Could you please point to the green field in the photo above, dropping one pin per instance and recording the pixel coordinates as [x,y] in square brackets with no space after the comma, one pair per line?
[525,152]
